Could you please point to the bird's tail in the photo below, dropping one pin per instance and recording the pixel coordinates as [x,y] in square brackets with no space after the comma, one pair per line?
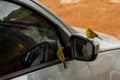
[65,66]
[99,37]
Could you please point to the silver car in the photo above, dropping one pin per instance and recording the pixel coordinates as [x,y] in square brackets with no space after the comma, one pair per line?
[33,39]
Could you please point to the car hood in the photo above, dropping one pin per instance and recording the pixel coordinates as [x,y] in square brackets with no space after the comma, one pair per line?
[107,43]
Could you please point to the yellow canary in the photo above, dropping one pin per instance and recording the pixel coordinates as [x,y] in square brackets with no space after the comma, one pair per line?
[60,56]
[91,34]
[21,48]
[85,52]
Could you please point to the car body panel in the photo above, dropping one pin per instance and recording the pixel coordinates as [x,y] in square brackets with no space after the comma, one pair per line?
[107,65]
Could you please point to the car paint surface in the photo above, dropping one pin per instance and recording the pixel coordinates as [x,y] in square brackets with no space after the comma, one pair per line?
[107,65]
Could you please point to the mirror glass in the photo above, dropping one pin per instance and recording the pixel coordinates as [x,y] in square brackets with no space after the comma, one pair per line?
[83,49]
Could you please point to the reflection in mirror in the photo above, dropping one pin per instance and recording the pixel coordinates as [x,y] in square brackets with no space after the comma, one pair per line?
[12,60]
[42,53]
[83,49]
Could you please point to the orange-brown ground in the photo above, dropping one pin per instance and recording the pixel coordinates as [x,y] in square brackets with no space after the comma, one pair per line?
[100,15]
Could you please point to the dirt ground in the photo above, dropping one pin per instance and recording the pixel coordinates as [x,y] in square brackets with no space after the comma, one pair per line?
[99,15]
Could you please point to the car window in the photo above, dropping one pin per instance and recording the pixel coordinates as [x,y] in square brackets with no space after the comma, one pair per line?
[20,30]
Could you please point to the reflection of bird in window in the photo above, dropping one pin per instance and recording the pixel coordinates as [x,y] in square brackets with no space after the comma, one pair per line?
[91,34]
[21,48]
[9,54]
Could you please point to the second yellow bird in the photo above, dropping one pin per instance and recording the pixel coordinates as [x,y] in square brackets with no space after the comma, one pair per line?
[91,34]
[61,56]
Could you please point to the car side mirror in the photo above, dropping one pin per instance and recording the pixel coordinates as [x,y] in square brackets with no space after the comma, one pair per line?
[42,53]
[83,49]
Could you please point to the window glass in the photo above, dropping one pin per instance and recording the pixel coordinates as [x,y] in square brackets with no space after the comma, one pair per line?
[20,30]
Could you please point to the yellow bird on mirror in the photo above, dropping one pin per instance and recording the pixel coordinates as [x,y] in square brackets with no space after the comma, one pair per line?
[61,56]
[91,34]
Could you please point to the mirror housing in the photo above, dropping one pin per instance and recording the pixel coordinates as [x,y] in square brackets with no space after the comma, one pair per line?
[83,49]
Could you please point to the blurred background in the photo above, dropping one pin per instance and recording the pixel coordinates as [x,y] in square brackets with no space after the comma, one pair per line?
[99,15]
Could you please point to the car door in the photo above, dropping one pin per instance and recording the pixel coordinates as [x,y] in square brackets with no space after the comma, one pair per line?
[23,28]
